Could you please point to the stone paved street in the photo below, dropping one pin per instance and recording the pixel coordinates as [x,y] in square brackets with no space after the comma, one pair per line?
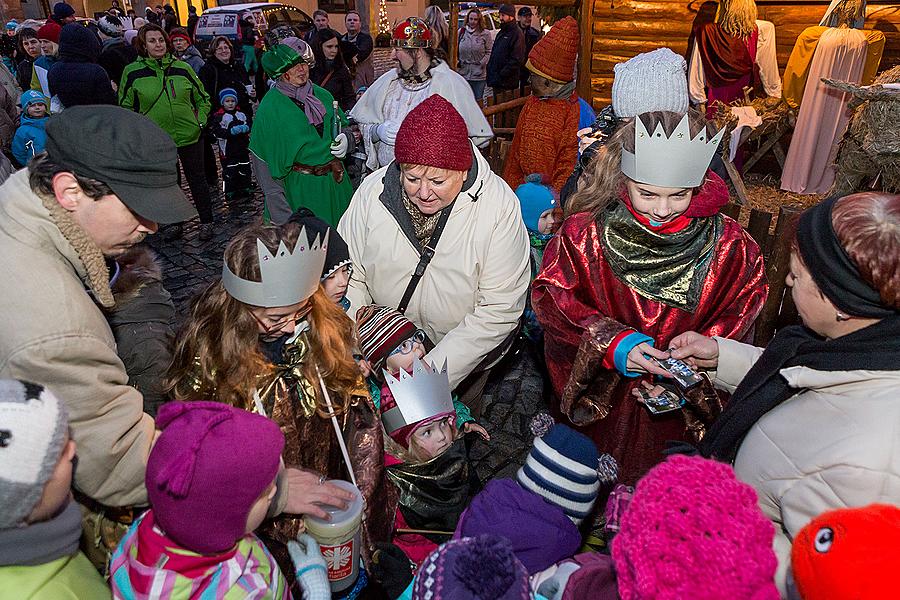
[513,395]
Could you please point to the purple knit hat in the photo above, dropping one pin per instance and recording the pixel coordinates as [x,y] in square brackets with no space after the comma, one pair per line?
[472,567]
[694,531]
[206,470]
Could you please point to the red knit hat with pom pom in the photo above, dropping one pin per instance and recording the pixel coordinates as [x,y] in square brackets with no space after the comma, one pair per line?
[434,134]
[553,57]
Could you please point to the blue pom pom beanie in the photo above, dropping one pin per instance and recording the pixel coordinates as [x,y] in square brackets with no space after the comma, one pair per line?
[535,198]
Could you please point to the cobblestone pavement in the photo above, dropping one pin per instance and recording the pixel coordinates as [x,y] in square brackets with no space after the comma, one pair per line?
[512,396]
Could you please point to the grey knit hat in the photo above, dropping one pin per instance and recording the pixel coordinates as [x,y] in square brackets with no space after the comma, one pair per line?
[33,425]
[651,81]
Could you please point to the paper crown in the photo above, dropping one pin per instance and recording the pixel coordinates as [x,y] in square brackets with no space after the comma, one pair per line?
[676,161]
[411,33]
[421,395]
[286,277]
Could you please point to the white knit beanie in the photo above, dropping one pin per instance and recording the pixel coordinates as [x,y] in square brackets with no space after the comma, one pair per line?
[651,81]
[33,425]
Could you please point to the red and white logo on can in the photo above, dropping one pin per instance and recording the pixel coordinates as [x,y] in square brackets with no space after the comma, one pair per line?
[339,560]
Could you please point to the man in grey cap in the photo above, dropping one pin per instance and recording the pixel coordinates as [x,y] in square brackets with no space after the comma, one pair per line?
[107,179]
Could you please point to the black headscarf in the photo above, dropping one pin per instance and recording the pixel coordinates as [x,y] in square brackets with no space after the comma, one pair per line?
[874,348]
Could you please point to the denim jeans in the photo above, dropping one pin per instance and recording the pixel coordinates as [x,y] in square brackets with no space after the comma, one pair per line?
[477,88]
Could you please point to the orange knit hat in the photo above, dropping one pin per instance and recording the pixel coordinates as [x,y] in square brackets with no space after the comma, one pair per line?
[848,554]
[554,55]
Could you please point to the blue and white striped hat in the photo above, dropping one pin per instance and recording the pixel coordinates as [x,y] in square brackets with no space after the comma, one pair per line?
[562,468]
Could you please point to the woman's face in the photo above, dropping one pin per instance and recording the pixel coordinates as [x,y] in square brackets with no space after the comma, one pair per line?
[432,189]
[48,48]
[223,52]
[472,19]
[155,42]
[330,49]
[336,284]
[180,44]
[32,47]
[274,322]
[659,204]
[297,75]
[816,311]
[433,439]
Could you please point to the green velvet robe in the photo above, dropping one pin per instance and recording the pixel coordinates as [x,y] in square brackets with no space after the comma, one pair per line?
[282,136]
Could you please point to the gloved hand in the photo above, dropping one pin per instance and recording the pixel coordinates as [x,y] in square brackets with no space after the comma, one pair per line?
[391,568]
[387,132]
[239,129]
[312,573]
[340,145]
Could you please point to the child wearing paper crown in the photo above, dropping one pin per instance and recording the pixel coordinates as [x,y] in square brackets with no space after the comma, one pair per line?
[338,266]
[31,137]
[232,127]
[206,499]
[643,255]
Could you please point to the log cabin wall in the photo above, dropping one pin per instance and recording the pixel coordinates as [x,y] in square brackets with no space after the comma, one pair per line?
[621,29]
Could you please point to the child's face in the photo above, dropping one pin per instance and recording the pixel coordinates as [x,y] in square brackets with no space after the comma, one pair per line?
[36,110]
[549,221]
[57,489]
[229,103]
[432,440]
[402,358]
[260,508]
[336,284]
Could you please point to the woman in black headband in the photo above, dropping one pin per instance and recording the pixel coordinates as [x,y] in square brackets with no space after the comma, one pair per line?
[814,420]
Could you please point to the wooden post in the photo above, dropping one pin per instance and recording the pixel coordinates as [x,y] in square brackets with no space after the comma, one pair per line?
[454,34]
[584,52]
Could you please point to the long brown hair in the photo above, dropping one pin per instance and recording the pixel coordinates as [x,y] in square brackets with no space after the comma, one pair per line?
[603,181]
[217,354]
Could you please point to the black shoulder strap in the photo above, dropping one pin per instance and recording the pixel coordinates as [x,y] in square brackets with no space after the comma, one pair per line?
[424,259]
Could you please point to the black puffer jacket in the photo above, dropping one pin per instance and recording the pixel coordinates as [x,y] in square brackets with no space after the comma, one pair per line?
[507,58]
[216,76]
[340,83]
[115,55]
[142,322]
[76,78]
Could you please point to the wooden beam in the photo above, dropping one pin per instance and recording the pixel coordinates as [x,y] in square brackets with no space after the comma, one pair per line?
[504,106]
[584,53]
[454,35]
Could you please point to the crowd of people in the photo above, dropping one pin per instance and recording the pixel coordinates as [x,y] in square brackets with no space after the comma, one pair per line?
[332,378]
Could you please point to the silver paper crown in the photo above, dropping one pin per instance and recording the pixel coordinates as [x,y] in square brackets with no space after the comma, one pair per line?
[286,277]
[676,161]
[421,395]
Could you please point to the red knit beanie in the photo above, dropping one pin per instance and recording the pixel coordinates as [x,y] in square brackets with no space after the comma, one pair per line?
[434,134]
[848,553]
[49,31]
[553,57]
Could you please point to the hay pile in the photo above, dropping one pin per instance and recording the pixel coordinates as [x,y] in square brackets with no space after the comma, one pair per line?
[870,149]
[773,112]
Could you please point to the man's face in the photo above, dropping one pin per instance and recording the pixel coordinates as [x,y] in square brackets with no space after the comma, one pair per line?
[353,23]
[321,21]
[525,21]
[505,18]
[404,57]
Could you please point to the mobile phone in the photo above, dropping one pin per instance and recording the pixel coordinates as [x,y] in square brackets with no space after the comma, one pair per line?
[666,402]
[681,372]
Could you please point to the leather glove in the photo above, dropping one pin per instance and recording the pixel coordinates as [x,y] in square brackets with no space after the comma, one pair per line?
[391,568]
[312,573]
[387,132]
[340,145]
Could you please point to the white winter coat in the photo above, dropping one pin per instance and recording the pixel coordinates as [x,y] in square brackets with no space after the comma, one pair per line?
[834,445]
[473,291]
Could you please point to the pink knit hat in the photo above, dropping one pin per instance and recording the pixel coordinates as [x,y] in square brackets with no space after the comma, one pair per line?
[694,531]
[434,134]
[206,470]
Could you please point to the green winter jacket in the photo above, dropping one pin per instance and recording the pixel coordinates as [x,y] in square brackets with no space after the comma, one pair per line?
[68,578]
[169,92]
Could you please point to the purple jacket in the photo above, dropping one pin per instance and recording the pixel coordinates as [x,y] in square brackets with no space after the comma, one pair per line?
[540,532]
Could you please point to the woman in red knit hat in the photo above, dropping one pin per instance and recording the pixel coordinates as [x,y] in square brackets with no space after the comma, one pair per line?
[439,200]
[545,141]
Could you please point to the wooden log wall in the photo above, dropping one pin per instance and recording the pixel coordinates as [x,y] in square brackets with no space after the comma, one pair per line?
[620,29]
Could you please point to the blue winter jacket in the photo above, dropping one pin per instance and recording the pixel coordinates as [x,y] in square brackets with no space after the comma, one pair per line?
[30,139]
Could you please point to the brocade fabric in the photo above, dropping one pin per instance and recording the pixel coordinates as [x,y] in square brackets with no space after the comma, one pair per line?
[583,306]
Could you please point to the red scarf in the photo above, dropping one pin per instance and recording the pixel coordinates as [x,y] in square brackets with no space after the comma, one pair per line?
[706,201]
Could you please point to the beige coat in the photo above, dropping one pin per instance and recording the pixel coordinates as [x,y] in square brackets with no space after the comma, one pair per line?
[473,292]
[834,445]
[52,332]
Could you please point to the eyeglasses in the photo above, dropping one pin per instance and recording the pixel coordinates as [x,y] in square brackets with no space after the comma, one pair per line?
[296,317]
[410,343]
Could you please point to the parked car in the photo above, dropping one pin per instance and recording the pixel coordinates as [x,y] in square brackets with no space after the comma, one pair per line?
[225,20]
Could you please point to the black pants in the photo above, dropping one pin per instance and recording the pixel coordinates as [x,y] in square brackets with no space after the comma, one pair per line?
[191,157]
